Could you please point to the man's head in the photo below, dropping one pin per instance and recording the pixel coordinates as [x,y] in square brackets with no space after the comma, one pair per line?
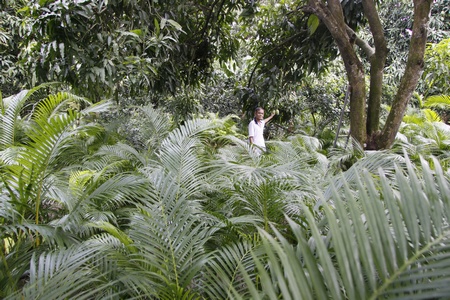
[259,113]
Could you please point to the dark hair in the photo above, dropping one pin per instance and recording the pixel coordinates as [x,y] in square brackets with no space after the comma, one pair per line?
[257,109]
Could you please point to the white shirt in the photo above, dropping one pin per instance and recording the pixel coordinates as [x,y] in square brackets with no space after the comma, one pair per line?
[256,131]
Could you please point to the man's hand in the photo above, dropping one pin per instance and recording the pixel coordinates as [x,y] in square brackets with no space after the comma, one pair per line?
[275,112]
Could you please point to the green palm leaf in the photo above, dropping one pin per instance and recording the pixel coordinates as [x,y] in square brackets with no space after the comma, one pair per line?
[157,127]
[170,234]
[222,274]
[56,104]
[372,162]
[178,155]
[10,111]
[239,163]
[49,136]
[95,200]
[17,247]
[428,139]
[10,118]
[438,101]
[77,267]
[265,200]
[381,243]
[34,163]
[117,158]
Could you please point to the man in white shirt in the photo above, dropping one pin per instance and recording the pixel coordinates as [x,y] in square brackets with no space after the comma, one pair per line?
[256,129]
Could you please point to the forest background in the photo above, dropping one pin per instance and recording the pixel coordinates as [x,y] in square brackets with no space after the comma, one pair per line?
[126,172]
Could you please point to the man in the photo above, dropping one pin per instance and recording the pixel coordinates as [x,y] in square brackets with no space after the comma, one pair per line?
[256,129]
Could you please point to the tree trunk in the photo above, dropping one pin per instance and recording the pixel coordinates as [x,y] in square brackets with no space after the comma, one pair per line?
[331,15]
[377,63]
[413,71]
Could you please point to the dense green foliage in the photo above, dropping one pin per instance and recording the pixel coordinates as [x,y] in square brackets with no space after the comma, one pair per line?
[437,68]
[192,212]
[131,176]
[106,48]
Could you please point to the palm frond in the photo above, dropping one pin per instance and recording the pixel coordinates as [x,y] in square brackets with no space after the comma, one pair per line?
[9,117]
[18,244]
[240,163]
[157,127]
[371,162]
[428,139]
[96,199]
[55,104]
[31,172]
[9,156]
[222,273]
[264,200]
[438,101]
[380,243]
[178,155]
[170,235]
[34,163]
[75,267]
[304,163]
[112,154]
[298,158]
[98,107]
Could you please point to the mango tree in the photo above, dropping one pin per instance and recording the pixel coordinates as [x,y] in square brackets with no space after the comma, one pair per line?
[311,33]
[131,48]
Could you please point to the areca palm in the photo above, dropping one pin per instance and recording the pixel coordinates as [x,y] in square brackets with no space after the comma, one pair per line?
[378,243]
[438,101]
[423,134]
[173,223]
[252,280]
[31,189]
[156,253]
[152,210]
[251,189]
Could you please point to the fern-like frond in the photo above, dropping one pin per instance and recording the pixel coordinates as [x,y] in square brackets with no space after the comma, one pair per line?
[35,162]
[56,104]
[157,127]
[265,200]
[222,273]
[97,199]
[18,243]
[372,162]
[97,107]
[178,155]
[76,267]
[9,117]
[380,242]
[170,235]
[111,154]
[239,163]
[438,101]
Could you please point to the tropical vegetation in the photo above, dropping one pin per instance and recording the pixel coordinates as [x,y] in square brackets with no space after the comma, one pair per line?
[125,171]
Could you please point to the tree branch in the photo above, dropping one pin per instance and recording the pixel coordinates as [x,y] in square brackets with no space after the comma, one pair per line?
[332,16]
[377,64]
[208,18]
[335,8]
[370,11]
[268,52]
[411,76]
[364,45]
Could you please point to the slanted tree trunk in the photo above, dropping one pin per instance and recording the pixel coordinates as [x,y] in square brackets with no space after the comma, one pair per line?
[331,15]
[413,71]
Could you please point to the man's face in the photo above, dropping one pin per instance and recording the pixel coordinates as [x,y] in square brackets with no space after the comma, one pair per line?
[259,114]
